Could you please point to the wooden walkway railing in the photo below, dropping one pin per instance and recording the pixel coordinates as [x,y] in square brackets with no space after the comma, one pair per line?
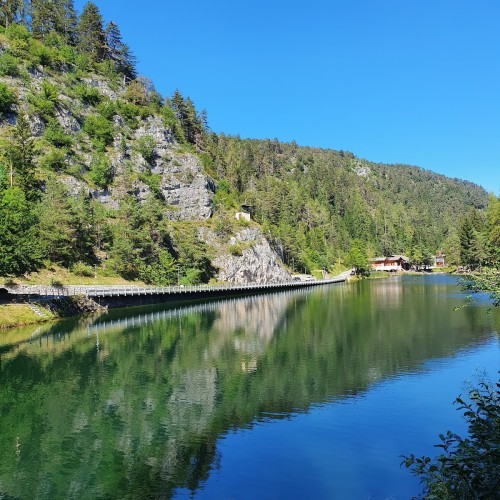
[129,290]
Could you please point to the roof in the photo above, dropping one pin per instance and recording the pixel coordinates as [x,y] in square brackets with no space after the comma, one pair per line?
[391,258]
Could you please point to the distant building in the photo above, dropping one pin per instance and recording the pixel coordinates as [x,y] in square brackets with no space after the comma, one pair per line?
[439,260]
[390,263]
[242,216]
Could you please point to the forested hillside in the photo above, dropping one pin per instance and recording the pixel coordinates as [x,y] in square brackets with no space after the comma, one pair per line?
[99,173]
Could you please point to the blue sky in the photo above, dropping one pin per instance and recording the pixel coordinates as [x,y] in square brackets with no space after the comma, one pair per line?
[393,81]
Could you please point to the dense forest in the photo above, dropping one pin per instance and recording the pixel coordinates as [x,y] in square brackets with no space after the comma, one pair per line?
[90,153]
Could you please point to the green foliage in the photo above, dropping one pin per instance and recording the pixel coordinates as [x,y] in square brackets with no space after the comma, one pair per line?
[44,102]
[18,32]
[101,171]
[54,159]
[145,146]
[82,269]
[99,129]
[469,467]
[18,151]
[358,259]
[235,250]
[87,94]
[107,109]
[55,135]
[66,236]
[19,241]
[91,38]
[8,65]
[488,280]
[7,99]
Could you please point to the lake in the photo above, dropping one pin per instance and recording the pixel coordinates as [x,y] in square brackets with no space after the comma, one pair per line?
[309,393]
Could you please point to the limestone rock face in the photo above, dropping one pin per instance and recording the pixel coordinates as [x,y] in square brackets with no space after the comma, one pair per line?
[185,188]
[254,262]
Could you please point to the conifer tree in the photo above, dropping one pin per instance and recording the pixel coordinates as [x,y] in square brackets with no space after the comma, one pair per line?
[70,22]
[119,52]
[11,11]
[18,153]
[91,37]
[46,17]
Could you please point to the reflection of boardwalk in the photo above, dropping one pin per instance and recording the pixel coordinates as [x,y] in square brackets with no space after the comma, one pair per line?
[224,308]
[177,292]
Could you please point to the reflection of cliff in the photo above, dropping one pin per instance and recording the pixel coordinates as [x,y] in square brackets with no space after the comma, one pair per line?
[250,323]
[141,414]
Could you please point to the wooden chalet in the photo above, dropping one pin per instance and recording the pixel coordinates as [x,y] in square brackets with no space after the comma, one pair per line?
[390,263]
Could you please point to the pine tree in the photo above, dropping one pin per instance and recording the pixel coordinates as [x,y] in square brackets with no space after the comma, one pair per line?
[19,243]
[18,152]
[11,11]
[119,52]
[91,37]
[46,17]
[70,22]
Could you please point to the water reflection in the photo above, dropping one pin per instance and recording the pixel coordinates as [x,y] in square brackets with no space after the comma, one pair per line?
[132,404]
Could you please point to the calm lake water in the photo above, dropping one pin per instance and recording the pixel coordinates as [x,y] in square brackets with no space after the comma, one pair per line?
[304,394]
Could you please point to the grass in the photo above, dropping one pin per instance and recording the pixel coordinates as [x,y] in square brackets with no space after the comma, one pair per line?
[20,314]
[66,277]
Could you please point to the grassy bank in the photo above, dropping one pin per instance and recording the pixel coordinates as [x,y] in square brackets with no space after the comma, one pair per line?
[20,314]
[60,275]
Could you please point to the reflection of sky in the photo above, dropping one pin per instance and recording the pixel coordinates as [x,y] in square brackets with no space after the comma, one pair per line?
[351,448]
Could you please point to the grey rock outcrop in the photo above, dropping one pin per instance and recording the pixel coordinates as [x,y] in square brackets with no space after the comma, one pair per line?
[256,263]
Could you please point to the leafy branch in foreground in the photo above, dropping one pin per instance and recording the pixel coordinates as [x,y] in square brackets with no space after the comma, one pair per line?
[487,281]
[468,468]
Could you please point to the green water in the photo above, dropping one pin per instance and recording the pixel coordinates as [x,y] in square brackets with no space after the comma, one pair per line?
[306,393]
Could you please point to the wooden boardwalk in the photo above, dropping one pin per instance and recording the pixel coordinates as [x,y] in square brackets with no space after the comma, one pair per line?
[179,290]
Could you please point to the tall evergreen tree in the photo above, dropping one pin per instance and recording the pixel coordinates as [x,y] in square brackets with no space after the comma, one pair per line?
[46,17]
[18,153]
[119,52]
[91,36]
[70,21]
[11,11]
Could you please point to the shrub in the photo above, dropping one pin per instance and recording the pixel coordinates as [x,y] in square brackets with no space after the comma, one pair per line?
[7,99]
[107,109]
[17,32]
[469,467]
[55,134]
[145,146]
[101,172]
[82,269]
[40,54]
[44,102]
[87,94]
[235,250]
[98,128]
[8,65]
[55,159]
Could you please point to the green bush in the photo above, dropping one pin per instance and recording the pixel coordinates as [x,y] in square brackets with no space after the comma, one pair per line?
[101,171]
[44,102]
[98,128]
[7,99]
[40,54]
[235,250]
[87,94]
[8,65]
[107,109]
[56,136]
[469,467]
[145,146]
[82,269]
[18,32]
[54,159]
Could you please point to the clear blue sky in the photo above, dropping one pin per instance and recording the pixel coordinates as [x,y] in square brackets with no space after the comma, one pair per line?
[393,81]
